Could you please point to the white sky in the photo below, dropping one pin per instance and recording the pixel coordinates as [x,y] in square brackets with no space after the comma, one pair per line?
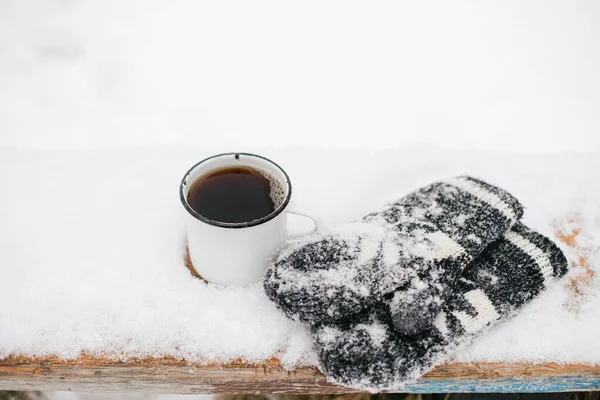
[512,75]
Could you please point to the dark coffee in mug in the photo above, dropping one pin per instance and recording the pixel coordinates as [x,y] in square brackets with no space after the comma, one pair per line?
[235,194]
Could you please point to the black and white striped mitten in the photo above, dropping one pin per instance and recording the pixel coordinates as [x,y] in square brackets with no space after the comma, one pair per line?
[413,250]
[366,352]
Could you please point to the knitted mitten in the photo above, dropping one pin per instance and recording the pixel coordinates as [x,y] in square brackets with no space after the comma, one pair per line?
[366,352]
[417,247]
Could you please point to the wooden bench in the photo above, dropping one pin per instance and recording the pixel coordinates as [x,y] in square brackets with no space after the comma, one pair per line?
[173,376]
[169,375]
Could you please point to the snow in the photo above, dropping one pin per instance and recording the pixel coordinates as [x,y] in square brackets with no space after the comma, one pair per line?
[518,76]
[96,266]
[91,251]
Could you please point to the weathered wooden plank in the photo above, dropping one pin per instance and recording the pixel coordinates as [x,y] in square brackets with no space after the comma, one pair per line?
[174,376]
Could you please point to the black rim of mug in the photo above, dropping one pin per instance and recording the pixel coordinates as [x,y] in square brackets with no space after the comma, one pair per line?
[247,224]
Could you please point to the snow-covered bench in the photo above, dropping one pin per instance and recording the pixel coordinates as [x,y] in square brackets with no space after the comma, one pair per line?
[95,296]
[170,375]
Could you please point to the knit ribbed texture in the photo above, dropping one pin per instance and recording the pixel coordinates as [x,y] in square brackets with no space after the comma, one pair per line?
[366,352]
[412,252]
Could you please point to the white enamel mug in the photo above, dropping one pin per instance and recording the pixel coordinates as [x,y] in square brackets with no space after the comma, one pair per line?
[238,253]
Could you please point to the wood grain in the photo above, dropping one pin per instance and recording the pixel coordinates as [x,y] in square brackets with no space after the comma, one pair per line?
[169,375]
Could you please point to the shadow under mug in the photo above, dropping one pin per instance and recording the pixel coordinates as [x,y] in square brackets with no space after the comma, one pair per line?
[238,253]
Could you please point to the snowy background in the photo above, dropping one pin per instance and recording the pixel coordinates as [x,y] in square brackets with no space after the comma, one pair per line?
[513,75]
[187,79]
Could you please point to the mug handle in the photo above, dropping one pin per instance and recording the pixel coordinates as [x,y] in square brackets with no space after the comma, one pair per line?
[304,210]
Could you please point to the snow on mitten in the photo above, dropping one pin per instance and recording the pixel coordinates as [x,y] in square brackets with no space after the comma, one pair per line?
[417,246]
[367,353]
